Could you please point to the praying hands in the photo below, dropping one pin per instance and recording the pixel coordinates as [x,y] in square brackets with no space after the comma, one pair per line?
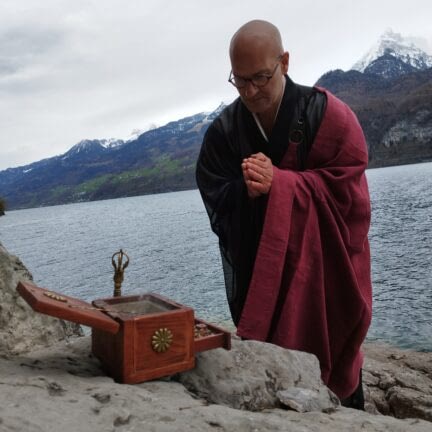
[258,174]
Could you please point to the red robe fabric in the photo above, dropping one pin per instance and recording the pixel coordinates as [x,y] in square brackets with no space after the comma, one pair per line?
[311,287]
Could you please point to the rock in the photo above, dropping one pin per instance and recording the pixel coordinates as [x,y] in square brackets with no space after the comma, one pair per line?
[306,400]
[250,375]
[21,329]
[399,382]
[406,402]
[40,392]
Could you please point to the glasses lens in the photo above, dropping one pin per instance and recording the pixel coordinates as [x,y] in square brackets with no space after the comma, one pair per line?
[260,80]
[238,82]
[257,80]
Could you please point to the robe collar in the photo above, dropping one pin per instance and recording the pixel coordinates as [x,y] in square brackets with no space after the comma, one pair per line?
[277,143]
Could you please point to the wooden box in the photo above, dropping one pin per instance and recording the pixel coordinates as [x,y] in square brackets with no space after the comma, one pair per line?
[136,338]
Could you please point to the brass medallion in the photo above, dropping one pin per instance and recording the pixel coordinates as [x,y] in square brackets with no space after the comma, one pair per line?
[162,340]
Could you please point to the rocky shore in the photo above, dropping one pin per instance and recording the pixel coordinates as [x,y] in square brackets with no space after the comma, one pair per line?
[49,381]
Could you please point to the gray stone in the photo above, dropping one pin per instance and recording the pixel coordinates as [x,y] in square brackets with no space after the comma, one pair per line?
[90,401]
[399,382]
[22,329]
[306,400]
[250,375]
[406,403]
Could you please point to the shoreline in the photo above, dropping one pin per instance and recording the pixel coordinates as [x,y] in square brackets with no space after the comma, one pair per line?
[188,188]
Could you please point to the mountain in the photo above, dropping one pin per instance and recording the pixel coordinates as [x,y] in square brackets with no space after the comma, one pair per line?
[392,47]
[390,90]
[158,160]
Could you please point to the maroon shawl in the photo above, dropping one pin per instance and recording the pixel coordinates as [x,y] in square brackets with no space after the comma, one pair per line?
[311,287]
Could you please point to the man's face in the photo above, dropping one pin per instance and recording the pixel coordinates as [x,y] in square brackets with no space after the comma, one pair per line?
[251,61]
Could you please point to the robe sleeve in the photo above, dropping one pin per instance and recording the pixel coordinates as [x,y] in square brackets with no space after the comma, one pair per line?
[220,182]
[236,219]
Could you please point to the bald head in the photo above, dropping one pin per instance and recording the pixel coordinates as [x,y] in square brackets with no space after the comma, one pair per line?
[256,53]
[256,34]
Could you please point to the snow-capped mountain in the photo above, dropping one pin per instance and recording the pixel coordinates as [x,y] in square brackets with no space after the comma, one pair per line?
[390,91]
[157,160]
[92,148]
[392,45]
[91,145]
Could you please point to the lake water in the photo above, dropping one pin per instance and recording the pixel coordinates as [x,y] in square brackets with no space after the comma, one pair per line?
[173,252]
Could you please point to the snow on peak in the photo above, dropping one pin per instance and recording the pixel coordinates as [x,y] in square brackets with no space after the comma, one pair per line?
[88,144]
[111,142]
[398,46]
[83,145]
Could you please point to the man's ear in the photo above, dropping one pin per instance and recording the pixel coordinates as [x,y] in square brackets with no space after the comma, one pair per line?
[285,62]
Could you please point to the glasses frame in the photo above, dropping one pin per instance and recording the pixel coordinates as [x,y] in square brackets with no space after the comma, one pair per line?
[268,77]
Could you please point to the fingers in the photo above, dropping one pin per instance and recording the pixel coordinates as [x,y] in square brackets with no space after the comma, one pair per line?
[257,181]
[256,171]
[256,188]
[260,156]
[252,191]
[252,172]
[258,174]
[259,161]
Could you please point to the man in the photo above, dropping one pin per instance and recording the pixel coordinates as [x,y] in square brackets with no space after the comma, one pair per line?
[281,173]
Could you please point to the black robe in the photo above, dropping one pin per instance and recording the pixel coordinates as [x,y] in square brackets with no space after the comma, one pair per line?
[235,218]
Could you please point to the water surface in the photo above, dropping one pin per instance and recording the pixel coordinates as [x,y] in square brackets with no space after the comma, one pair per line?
[173,252]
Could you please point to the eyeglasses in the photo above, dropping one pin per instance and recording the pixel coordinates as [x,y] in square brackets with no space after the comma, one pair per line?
[259,80]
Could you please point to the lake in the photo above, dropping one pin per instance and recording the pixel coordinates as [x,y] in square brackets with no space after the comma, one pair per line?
[173,252]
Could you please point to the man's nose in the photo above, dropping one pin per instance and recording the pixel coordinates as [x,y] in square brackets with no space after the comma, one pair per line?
[250,89]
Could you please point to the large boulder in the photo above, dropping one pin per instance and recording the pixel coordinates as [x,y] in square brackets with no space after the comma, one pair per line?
[21,329]
[255,376]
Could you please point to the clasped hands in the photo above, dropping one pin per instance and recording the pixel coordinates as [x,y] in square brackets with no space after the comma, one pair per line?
[258,174]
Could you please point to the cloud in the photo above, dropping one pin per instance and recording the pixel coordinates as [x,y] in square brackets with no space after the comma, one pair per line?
[71,70]
[23,47]
[7,67]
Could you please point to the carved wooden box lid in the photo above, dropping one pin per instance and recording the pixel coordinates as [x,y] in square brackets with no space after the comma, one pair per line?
[67,308]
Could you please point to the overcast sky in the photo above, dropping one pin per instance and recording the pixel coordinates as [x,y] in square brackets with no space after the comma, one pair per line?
[77,69]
